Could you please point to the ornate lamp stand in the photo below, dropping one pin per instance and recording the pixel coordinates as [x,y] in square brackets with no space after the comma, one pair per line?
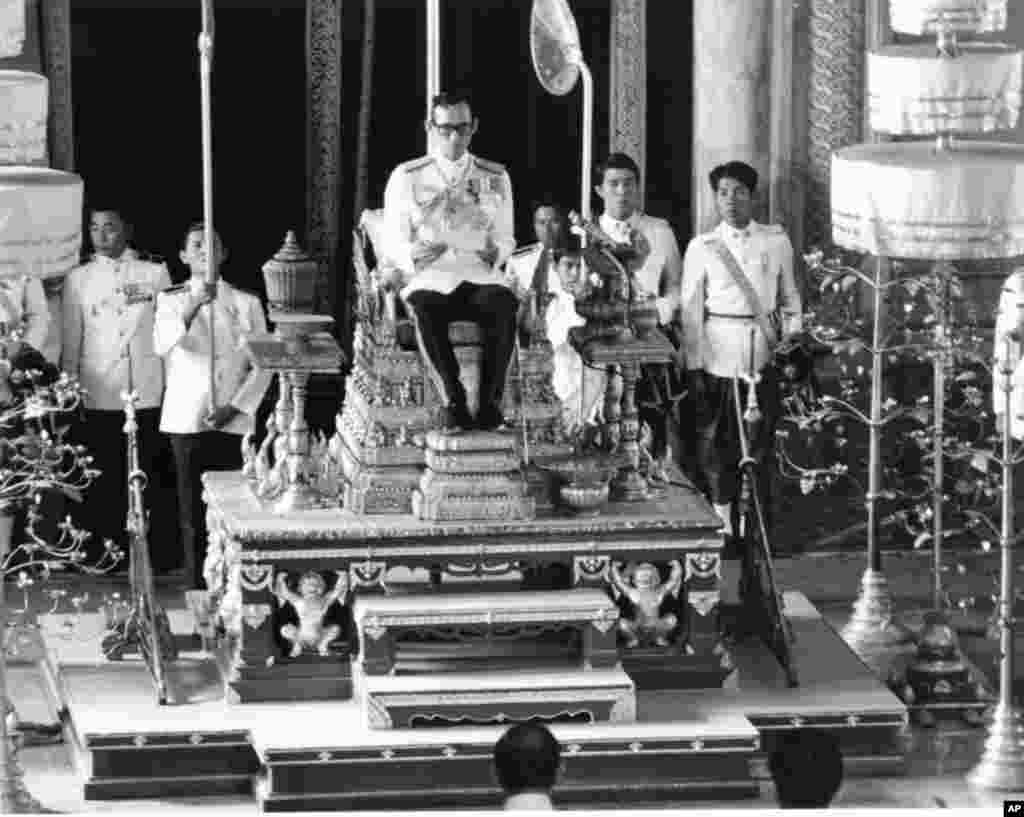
[1002,763]
[298,349]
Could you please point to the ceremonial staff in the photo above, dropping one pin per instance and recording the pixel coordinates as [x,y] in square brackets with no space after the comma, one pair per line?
[205,69]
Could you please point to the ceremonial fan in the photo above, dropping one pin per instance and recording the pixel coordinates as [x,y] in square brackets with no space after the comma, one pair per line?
[558,62]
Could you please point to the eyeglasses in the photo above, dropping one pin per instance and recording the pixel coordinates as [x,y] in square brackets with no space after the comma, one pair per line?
[446,129]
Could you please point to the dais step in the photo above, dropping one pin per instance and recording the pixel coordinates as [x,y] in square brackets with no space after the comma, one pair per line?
[378,618]
[407,701]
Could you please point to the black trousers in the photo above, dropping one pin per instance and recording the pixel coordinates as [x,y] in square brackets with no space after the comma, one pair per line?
[105,503]
[491,306]
[195,454]
[718,450]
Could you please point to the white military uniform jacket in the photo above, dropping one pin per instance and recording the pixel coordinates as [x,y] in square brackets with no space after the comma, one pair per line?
[661,266]
[108,329]
[466,204]
[23,305]
[1009,316]
[718,322]
[579,387]
[186,352]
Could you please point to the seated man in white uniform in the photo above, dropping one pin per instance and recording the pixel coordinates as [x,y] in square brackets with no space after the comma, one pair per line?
[450,226]
[546,274]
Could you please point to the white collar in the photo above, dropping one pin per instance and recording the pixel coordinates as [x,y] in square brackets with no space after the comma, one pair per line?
[614,227]
[529,801]
[128,255]
[732,234]
[453,171]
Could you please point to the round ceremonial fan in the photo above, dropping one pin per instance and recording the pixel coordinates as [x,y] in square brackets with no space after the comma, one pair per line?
[555,46]
[558,62]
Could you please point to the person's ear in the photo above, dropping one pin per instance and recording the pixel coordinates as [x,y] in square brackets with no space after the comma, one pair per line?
[473,127]
[183,257]
[426,125]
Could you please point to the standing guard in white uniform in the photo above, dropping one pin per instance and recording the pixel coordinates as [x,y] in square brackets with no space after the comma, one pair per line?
[108,311]
[739,300]
[450,223]
[206,429]
[657,270]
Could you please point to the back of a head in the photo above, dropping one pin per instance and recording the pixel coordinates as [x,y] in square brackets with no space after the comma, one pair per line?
[807,768]
[527,759]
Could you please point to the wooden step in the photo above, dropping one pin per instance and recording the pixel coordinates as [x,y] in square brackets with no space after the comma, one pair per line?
[446,699]
[709,756]
[381,619]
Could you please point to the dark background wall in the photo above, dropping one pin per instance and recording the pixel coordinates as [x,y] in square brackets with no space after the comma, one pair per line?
[137,110]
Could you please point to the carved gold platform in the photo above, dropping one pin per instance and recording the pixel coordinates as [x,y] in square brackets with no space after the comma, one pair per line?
[389,400]
[474,475]
[405,701]
[381,620]
[249,545]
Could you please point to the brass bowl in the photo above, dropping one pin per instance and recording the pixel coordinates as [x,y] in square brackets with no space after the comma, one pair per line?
[585,499]
[584,470]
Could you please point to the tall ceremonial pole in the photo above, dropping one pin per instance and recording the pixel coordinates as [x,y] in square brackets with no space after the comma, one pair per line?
[433,55]
[205,69]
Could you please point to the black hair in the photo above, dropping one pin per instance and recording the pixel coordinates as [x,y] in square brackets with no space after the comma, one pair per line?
[527,758]
[615,161]
[450,99]
[740,171]
[198,226]
[807,768]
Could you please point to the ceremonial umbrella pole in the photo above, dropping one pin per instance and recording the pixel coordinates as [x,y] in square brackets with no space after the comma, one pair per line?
[1002,763]
[205,69]
[433,56]
[558,62]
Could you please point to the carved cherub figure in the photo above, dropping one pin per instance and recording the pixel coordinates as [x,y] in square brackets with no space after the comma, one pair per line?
[647,593]
[311,604]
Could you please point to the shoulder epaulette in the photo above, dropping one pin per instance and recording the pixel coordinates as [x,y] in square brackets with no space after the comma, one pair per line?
[525,250]
[417,164]
[171,290]
[707,238]
[774,229]
[490,167]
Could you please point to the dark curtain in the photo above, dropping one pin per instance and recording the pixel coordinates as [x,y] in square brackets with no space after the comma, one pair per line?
[137,122]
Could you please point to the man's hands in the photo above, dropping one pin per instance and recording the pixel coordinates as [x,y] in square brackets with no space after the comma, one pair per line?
[221,416]
[489,255]
[427,252]
[389,278]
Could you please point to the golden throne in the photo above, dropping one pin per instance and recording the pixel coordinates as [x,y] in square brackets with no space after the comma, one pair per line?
[391,402]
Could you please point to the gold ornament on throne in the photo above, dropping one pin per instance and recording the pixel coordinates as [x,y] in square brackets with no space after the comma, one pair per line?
[311,603]
[642,585]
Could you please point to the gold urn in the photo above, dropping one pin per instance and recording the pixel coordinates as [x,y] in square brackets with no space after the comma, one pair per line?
[291,278]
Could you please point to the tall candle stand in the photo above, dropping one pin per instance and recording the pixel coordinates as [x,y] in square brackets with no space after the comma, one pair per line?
[1002,762]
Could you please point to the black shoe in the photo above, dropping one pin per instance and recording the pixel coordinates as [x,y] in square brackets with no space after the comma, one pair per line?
[490,418]
[455,419]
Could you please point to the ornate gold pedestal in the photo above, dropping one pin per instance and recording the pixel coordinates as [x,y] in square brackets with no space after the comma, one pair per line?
[294,352]
[623,355]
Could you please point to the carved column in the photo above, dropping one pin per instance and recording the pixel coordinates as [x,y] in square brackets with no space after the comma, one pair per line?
[55,52]
[836,102]
[323,130]
[628,132]
[731,98]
